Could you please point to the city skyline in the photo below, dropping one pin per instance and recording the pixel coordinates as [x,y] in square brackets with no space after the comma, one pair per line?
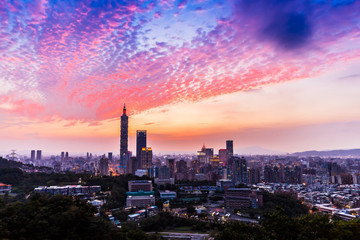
[278,75]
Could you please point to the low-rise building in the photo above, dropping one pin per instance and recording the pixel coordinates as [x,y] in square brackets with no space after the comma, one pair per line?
[167,195]
[140,201]
[164,181]
[140,185]
[68,190]
[238,198]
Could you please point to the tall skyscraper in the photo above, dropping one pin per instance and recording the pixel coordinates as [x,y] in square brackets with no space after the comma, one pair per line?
[38,155]
[146,158]
[62,156]
[32,155]
[229,148]
[240,172]
[104,166]
[124,138]
[140,144]
[110,156]
[171,165]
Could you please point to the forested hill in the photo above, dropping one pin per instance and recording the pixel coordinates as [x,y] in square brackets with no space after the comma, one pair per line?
[4,163]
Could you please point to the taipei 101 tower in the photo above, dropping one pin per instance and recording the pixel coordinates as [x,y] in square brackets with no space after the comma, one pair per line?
[123,140]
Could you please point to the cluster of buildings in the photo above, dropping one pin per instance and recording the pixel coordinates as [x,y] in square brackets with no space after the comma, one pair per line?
[313,179]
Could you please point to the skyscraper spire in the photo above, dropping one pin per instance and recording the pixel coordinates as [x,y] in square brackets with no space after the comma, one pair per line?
[124,139]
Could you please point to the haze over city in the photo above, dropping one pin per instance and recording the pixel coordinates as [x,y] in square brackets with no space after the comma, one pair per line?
[281,75]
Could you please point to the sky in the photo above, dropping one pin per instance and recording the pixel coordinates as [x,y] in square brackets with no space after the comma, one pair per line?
[278,74]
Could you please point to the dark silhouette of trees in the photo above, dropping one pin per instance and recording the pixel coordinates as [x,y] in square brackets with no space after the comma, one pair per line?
[57,217]
[278,226]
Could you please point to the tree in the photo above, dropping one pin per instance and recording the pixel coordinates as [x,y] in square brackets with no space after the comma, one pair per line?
[190,210]
[291,206]
[57,217]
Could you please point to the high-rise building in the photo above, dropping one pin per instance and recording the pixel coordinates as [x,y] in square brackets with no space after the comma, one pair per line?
[202,155]
[132,165]
[293,176]
[254,175]
[38,155]
[146,158]
[110,156]
[104,166]
[67,155]
[153,172]
[222,156]
[32,155]
[62,156]
[123,138]
[230,148]
[276,174]
[268,174]
[214,161]
[181,166]
[140,143]
[240,173]
[164,172]
[209,153]
[171,165]
[181,170]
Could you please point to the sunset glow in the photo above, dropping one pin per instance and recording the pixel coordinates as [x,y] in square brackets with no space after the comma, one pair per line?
[282,75]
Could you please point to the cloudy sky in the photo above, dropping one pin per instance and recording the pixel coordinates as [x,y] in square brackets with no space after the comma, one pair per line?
[280,74]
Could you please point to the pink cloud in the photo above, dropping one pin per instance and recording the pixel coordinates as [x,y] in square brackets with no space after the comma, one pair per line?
[83,67]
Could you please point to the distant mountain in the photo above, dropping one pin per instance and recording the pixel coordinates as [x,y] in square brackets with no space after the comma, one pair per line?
[256,150]
[330,153]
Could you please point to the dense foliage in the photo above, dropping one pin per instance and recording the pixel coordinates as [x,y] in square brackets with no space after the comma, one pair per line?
[165,221]
[24,183]
[273,202]
[59,217]
[278,226]
[290,205]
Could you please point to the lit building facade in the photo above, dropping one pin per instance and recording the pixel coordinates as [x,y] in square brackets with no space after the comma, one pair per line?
[146,158]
